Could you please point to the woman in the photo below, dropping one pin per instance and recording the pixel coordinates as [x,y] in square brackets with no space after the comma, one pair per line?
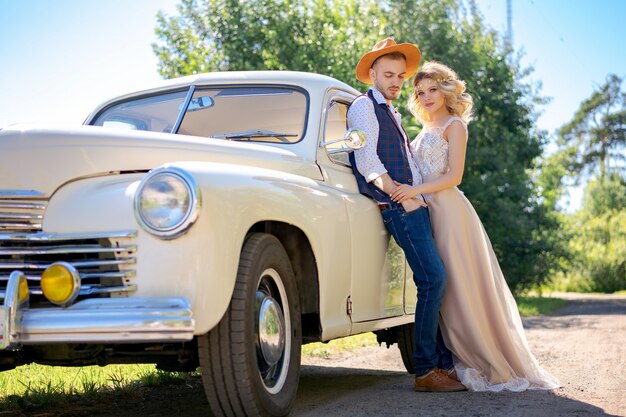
[479,318]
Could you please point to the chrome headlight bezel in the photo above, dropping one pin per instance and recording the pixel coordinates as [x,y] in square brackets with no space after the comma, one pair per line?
[189,216]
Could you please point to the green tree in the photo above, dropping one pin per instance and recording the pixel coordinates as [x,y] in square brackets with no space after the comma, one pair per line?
[329,37]
[321,36]
[596,137]
[592,145]
[598,243]
[504,144]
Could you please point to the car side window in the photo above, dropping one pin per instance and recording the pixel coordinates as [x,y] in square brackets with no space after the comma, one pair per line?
[335,128]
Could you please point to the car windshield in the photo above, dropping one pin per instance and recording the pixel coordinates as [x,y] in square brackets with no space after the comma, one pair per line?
[250,113]
[155,113]
[270,114]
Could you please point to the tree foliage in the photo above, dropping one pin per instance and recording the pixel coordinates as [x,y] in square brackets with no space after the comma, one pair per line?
[592,146]
[598,243]
[503,141]
[595,139]
[329,37]
[325,37]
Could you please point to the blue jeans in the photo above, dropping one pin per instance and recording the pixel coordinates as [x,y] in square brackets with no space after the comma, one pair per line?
[414,235]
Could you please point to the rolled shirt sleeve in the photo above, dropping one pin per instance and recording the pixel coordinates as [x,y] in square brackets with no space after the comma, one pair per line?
[361,116]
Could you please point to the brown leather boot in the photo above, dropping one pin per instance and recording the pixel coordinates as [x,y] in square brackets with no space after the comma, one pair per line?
[437,380]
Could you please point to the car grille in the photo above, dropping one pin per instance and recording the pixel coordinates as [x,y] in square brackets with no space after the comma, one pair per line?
[105,261]
[21,216]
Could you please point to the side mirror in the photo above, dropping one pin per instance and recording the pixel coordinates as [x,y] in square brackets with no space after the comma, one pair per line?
[353,139]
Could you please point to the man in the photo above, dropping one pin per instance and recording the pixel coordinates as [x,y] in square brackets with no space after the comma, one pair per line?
[384,159]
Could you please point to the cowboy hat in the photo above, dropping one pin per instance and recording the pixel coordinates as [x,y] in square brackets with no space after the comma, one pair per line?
[388,46]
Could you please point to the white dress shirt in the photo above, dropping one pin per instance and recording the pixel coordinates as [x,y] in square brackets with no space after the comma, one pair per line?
[361,116]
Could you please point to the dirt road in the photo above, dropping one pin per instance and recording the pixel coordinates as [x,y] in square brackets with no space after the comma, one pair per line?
[583,344]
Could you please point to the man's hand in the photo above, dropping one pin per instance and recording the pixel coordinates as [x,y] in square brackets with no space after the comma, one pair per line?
[408,196]
[389,186]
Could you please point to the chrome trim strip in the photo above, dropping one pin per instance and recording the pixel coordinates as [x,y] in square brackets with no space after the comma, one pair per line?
[92,264]
[22,205]
[21,216]
[55,250]
[104,274]
[80,264]
[108,320]
[14,266]
[112,274]
[85,275]
[28,277]
[24,226]
[96,289]
[45,237]
[89,289]
[20,193]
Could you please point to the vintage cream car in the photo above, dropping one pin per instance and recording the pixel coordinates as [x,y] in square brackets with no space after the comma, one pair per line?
[213,221]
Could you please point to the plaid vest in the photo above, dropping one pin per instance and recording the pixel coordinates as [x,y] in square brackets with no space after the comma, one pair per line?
[391,151]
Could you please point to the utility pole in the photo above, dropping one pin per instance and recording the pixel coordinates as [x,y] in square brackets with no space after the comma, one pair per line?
[509,26]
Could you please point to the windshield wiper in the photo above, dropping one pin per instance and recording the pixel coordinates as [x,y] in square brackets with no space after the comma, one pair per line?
[253,134]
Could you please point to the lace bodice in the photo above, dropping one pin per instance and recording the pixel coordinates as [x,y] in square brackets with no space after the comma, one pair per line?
[430,149]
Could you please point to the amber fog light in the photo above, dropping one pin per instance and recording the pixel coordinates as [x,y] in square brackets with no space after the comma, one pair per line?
[60,283]
[23,290]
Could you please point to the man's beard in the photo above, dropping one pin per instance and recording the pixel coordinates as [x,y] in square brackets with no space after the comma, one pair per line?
[388,97]
[385,94]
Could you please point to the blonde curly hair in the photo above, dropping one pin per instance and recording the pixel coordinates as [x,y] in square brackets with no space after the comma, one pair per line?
[458,102]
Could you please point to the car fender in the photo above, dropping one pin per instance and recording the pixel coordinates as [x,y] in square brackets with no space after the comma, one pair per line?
[234,199]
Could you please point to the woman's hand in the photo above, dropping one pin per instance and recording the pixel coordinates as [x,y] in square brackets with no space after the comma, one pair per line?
[403,192]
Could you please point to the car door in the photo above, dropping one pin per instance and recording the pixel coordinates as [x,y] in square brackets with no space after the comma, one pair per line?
[378,265]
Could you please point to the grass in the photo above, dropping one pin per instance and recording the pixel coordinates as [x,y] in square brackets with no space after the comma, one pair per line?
[327,350]
[42,388]
[530,305]
[39,389]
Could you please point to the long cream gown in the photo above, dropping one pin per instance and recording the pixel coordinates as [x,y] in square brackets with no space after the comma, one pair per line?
[479,318]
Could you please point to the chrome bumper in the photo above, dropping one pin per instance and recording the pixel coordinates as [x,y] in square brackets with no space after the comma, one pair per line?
[101,320]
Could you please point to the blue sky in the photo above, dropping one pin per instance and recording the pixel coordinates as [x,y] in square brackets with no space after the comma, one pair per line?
[60,58]
[572,44]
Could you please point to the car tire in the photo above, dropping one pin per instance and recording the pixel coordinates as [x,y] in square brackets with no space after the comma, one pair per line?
[406,344]
[250,361]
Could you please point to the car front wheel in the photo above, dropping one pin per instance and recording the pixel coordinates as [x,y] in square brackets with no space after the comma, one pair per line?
[250,361]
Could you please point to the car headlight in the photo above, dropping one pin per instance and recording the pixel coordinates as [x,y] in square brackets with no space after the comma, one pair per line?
[167,202]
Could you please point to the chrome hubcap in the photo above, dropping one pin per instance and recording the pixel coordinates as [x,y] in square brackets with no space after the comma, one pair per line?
[271,330]
[272,326]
